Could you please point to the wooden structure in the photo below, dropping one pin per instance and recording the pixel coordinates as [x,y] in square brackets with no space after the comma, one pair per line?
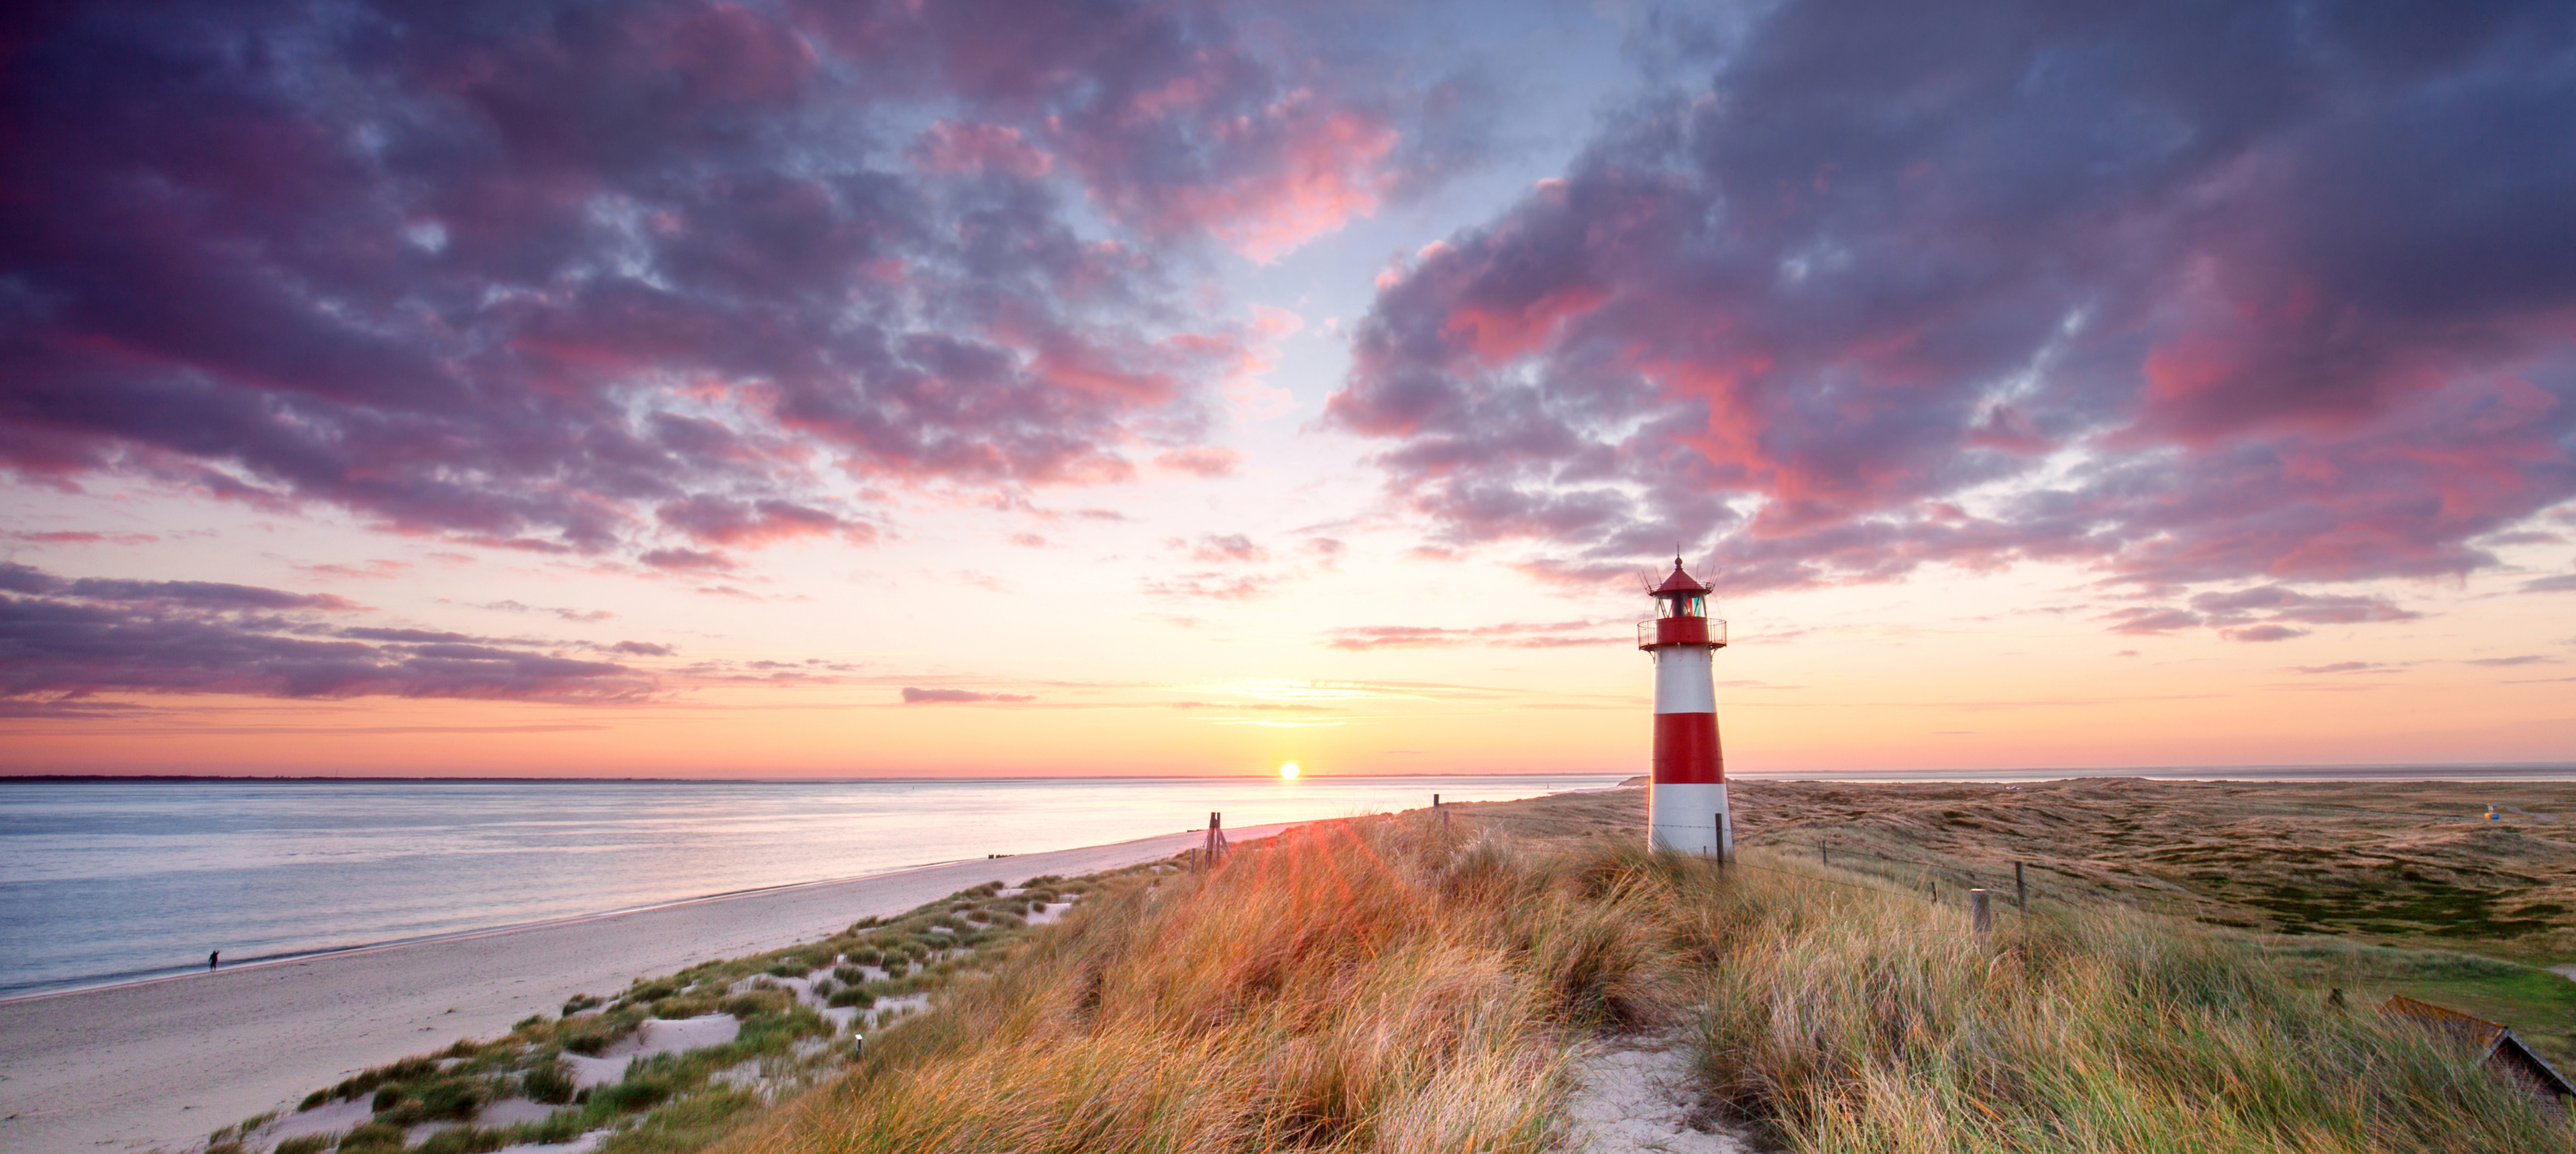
[2495,1042]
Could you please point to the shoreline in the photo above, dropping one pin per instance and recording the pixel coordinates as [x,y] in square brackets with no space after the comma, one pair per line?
[86,986]
[160,1062]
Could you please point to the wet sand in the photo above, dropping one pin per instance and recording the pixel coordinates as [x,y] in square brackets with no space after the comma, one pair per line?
[161,1064]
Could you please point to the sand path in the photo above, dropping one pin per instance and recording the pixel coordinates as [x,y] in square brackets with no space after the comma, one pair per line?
[163,1063]
[1638,1094]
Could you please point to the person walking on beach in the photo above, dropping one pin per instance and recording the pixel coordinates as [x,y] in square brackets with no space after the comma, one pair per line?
[211,957]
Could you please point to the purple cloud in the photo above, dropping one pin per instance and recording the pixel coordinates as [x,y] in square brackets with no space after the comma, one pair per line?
[2262,291]
[76,638]
[570,277]
[2146,620]
[912,696]
[687,560]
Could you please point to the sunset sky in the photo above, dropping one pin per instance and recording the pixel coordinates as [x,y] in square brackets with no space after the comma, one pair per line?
[804,388]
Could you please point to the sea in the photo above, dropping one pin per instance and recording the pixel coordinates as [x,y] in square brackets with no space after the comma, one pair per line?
[105,881]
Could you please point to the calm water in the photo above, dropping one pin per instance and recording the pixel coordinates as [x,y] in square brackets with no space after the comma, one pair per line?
[112,881]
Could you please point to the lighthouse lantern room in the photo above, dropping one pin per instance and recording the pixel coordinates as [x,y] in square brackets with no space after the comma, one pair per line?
[1686,810]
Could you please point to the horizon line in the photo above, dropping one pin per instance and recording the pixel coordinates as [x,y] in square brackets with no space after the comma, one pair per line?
[2081,771]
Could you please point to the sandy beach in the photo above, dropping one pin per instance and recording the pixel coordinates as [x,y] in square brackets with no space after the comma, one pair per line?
[160,1064]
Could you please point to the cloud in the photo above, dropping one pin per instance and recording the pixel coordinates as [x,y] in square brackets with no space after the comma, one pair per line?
[912,696]
[687,560]
[370,633]
[1206,461]
[2183,297]
[1211,586]
[2147,620]
[2346,667]
[2278,605]
[71,639]
[642,649]
[559,276]
[568,614]
[1509,636]
[2281,603]
[719,521]
[2500,662]
[83,537]
[197,595]
[369,571]
[2562,583]
[1212,547]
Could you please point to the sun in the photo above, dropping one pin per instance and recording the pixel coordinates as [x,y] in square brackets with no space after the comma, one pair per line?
[1288,771]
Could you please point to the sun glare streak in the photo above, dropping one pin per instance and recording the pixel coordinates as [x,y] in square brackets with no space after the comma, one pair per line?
[1288,771]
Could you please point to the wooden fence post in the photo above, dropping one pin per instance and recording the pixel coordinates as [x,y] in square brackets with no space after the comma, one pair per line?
[1979,915]
[1717,829]
[1823,854]
[2021,889]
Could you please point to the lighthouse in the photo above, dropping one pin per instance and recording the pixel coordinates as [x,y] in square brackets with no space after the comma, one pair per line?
[1686,809]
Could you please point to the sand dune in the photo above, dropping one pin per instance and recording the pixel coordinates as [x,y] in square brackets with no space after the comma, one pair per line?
[163,1063]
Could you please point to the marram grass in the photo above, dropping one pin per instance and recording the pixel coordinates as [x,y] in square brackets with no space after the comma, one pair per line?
[1368,987]
[1863,1022]
[1334,992]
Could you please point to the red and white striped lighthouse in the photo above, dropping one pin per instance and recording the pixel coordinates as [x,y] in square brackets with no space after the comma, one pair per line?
[1686,809]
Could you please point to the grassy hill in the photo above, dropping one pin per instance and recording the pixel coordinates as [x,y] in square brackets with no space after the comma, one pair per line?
[1413,984]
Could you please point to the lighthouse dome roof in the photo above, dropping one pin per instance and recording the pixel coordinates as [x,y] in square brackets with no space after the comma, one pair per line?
[1680,582]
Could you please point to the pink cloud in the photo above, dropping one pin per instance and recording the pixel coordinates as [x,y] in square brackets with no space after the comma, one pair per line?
[1204,461]
[718,521]
[555,283]
[1754,321]
[952,147]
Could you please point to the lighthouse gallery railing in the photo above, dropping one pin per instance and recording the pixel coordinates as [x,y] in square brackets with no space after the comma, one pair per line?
[1708,631]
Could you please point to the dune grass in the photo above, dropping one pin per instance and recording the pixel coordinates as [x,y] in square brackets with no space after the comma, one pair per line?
[1365,987]
[1339,990]
[1395,985]
[668,1103]
[1853,1020]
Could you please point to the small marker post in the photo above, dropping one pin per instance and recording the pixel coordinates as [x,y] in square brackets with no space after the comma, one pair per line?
[1980,915]
[2021,889]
